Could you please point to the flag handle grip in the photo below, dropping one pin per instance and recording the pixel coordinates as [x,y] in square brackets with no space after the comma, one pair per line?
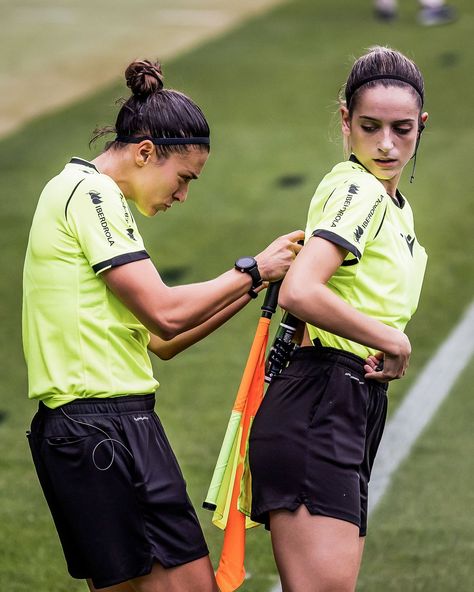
[271,299]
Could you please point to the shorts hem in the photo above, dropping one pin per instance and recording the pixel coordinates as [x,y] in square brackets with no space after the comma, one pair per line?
[262,514]
[145,571]
[179,562]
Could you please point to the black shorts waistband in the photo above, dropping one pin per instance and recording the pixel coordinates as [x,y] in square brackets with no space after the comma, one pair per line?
[104,406]
[331,354]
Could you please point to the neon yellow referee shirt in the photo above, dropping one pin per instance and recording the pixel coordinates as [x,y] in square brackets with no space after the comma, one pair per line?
[79,340]
[383,271]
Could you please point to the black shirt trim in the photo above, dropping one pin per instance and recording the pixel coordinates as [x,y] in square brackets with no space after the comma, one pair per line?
[348,262]
[120,260]
[82,162]
[383,218]
[70,197]
[338,240]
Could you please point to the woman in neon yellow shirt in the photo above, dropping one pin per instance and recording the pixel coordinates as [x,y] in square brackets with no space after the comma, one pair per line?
[93,303]
[356,283]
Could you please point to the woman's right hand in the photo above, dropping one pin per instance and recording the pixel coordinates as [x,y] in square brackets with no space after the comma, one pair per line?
[386,366]
[274,261]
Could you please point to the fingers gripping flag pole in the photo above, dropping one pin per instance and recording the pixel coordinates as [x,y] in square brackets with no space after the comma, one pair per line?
[229,492]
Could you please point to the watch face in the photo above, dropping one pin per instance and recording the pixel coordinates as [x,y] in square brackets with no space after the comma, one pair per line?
[245,262]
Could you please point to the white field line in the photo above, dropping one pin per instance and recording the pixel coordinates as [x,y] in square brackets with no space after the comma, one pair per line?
[419,405]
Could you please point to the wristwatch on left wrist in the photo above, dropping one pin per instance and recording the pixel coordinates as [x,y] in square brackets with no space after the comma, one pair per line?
[249,265]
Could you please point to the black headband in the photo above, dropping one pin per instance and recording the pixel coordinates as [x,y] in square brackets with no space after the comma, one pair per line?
[162,141]
[383,77]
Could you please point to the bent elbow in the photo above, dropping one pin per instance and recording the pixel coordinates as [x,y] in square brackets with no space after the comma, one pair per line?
[288,298]
[167,334]
[165,328]
[166,354]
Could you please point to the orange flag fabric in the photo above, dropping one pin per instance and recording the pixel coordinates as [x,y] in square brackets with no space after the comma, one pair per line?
[231,572]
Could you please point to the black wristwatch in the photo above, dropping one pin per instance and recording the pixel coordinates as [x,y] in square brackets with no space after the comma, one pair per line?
[249,265]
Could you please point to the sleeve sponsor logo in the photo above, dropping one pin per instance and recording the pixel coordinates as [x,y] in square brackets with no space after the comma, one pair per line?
[126,210]
[128,218]
[378,201]
[353,190]
[97,199]
[359,231]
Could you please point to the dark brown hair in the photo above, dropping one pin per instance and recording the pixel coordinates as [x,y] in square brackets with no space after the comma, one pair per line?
[379,61]
[154,111]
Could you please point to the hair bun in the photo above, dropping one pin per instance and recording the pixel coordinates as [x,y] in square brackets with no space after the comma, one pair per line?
[144,77]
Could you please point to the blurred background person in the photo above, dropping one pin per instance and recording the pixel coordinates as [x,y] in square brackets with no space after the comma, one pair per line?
[432,12]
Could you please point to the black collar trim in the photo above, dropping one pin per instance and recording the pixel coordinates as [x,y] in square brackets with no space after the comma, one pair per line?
[353,158]
[82,162]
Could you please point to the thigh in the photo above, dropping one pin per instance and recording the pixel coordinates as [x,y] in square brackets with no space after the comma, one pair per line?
[377,413]
[124,587]
[195,576]
[315,553]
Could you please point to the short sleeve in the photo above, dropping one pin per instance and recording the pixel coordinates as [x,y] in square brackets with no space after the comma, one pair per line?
[100,219]
[349,216]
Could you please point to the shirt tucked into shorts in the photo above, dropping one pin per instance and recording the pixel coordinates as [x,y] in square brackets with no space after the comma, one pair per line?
[315,436]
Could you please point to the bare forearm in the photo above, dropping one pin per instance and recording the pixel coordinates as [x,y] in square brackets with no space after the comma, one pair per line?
[167,312]
[195,304]
[168,349]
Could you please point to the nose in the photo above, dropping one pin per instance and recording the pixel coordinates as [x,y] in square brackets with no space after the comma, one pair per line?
[181,194]
[386,141]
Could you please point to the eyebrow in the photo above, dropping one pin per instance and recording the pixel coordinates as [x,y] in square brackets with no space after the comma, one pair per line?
[377,120]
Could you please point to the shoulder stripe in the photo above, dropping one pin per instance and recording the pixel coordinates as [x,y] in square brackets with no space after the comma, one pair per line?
[338,240]
[383,218]
[348,262]
[69,198]
[330,195]
[120,260]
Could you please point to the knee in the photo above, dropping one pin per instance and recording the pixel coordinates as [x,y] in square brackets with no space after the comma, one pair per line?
[338,581]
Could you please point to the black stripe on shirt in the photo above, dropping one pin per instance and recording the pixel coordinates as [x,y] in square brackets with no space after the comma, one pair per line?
[70,197]
[338,240]
[379,228]
[120,260]
[348,262]
[83,162]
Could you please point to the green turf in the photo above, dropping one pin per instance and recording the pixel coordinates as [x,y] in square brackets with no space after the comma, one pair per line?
[269,92]
[420,537]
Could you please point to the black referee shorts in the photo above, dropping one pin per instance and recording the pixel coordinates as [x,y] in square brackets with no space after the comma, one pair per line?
[315,436]
[114,488]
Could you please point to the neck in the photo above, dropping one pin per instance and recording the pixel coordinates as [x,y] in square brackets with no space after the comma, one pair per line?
[113,164]
[391,186]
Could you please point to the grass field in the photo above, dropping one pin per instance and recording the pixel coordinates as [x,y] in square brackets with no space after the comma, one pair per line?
[269,92]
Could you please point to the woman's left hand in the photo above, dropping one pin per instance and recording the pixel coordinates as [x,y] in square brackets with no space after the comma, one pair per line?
[374,363]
